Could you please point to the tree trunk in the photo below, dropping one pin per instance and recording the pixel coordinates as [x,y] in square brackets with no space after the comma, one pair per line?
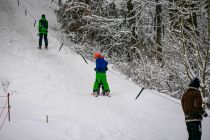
[158,20]
[59,2]
[130,8]
[208,1]
[87,2]
[130,13]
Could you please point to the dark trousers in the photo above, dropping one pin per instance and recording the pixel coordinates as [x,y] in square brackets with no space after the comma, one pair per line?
[194,130]
[45,40]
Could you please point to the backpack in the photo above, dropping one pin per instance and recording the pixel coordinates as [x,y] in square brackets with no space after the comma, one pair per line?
[44,23]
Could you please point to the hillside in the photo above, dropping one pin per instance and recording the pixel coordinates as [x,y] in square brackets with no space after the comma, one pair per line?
[59,85]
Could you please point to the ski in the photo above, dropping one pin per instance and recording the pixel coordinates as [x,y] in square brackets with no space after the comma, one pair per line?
[101,94]
[96,95]
[105,95]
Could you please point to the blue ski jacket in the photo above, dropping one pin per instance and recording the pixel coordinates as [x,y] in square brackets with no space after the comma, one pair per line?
[101,65]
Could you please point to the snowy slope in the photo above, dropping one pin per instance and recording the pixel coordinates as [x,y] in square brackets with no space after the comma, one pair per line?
[58,84]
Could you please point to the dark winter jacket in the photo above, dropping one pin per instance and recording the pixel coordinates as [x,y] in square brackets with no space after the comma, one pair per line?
[101,65]
[192,105]
[43,25]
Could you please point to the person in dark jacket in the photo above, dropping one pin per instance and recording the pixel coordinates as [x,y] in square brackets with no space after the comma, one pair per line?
[101,80]
[43,30]
[193,110]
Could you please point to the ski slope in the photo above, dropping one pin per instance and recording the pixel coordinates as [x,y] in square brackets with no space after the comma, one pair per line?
[58,85]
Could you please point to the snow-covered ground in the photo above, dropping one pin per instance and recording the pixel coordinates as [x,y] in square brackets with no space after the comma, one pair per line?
[59,84]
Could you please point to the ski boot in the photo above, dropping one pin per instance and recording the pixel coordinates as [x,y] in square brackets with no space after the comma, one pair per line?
[95,93]
[102,93]
[107,93]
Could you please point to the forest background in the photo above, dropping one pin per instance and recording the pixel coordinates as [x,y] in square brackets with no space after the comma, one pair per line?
[158,44]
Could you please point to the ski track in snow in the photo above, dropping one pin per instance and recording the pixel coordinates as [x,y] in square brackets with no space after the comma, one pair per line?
[59,84]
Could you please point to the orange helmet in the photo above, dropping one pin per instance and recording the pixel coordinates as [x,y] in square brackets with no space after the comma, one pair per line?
[97,55]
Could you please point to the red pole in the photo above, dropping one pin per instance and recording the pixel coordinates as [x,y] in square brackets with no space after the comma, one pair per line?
[8,107]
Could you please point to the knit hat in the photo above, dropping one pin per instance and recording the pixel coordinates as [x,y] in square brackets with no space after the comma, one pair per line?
[97,55]
[195,83]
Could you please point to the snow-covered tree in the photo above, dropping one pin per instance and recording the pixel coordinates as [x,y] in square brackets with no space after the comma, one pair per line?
[161,44]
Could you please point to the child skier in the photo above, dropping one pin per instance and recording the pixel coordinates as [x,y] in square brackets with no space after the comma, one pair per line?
[101,68]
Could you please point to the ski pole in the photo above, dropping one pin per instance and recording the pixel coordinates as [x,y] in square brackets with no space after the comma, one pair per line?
[34,23]
[61,46]
[140,93]
[84,59]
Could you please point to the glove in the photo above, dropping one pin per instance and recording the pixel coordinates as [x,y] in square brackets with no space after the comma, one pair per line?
[95,69]
[106,69]
[205,114]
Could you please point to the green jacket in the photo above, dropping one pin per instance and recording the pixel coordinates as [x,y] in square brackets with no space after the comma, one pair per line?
[43,26]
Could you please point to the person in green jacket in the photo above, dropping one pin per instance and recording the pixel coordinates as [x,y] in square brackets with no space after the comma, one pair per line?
[43,30]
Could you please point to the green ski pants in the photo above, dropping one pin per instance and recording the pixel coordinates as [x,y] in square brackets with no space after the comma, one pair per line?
[100,80]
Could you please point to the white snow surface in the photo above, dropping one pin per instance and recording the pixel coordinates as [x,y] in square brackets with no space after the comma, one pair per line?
[59,84]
